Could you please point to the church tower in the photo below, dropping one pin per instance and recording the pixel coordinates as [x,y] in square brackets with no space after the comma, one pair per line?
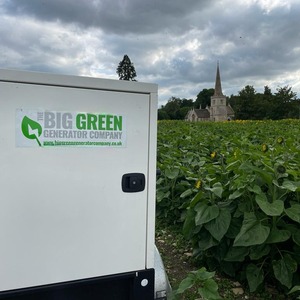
[218,109]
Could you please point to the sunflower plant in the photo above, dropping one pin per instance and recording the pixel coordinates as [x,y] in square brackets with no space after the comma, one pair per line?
[236,192]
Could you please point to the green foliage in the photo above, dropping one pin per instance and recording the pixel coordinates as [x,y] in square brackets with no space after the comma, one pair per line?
[248,104]
[295,289]
[245,106]
[235,188]
[126,70]
[203,98]
[203,281]
[175,109]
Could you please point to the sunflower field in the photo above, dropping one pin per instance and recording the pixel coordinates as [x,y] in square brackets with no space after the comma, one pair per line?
[234,187]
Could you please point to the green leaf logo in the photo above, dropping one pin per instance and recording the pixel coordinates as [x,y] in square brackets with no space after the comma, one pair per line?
[31,129]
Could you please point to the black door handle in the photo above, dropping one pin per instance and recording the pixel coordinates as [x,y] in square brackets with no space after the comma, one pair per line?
[133,182]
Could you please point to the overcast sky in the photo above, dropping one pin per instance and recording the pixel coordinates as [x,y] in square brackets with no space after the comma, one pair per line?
[173,43]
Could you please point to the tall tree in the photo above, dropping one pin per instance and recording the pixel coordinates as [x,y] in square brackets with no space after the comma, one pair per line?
[283,103]
[175,109]
[267,91]
[126,70]
[203,98]
[245,106]
[172,108]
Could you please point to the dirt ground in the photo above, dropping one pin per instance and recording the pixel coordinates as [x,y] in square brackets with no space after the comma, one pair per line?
[176,256]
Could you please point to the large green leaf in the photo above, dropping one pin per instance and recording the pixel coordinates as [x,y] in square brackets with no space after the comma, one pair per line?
[233,165]
[172,173]
[186,283]
[278,236]
[290,185]
[284,270]
[209,290]
[219,226]
[252,232]
[244,207]
[255,189]
[217,189]
[294,289]
[186,193]
[206,241]
[160,195]
[234,228]
[259,251]
[236,194]
[294,212]
[189,223]
[205,213]
[237,254]
[296,237]
[270,209]
[202,274]
[196,199]
[255,277]
[266,176]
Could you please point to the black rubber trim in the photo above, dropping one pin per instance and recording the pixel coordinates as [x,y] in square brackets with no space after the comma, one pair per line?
[137,285]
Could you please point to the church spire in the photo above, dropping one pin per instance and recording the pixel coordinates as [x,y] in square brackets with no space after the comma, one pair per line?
[218,87]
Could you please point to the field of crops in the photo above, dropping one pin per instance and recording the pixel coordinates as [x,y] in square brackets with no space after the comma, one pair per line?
[235,189]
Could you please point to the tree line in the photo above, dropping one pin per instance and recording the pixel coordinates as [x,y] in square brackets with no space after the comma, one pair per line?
[247,105]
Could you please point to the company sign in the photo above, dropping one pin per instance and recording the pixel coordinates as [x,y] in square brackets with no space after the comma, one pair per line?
[38,128]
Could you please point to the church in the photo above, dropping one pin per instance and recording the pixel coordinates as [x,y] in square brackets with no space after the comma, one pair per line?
[218,109]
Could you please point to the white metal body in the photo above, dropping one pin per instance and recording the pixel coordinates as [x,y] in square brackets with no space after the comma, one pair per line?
[63,214]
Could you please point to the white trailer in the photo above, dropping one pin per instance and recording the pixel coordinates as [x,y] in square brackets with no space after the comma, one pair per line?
[77,188]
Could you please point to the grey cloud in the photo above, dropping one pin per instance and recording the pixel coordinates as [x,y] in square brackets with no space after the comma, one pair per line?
[174,43]
[119,16]
[261,44]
